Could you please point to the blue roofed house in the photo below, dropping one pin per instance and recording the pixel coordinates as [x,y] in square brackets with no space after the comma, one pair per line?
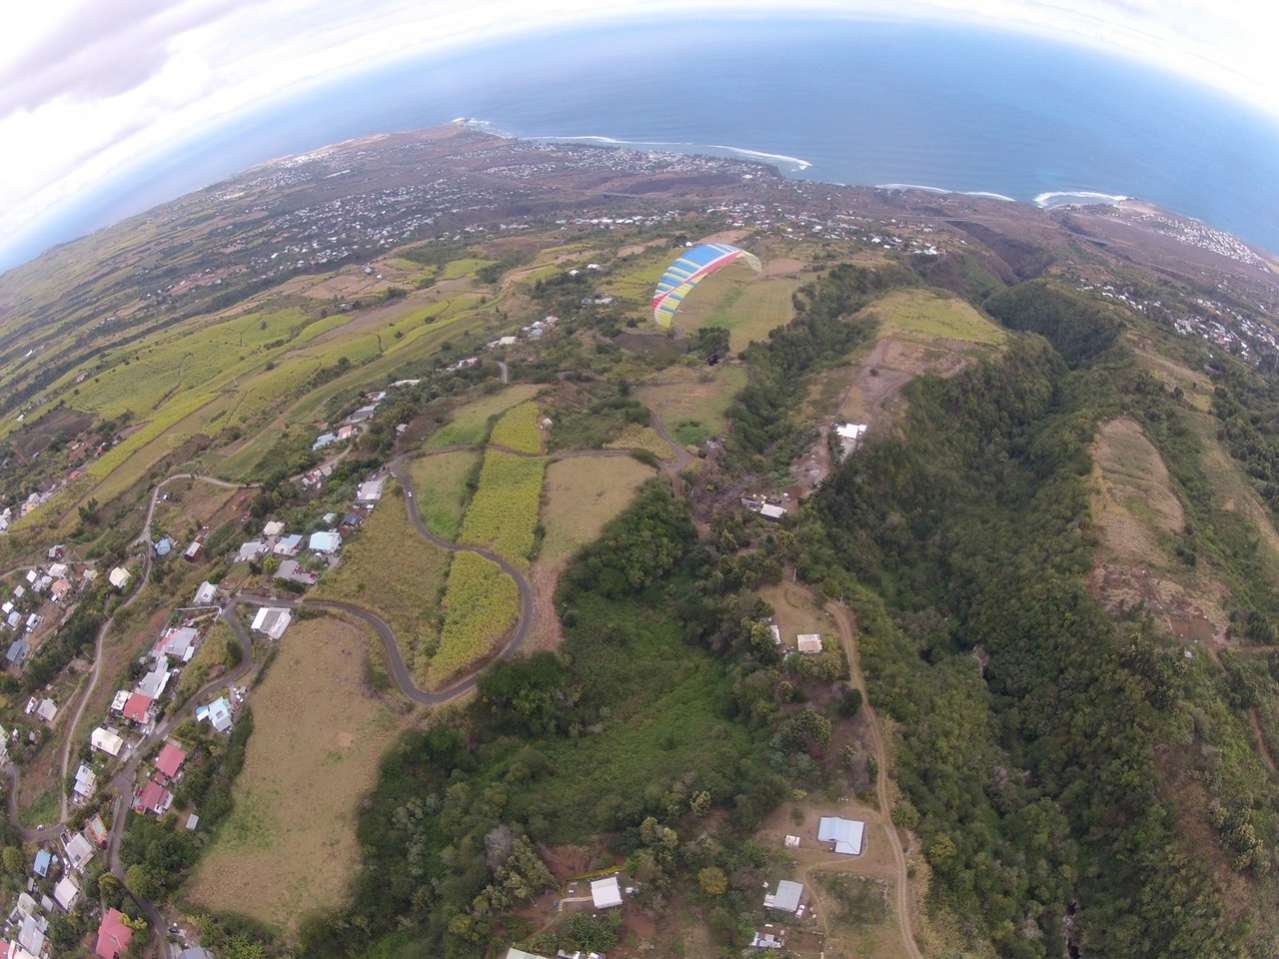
[43,859]
[164,547]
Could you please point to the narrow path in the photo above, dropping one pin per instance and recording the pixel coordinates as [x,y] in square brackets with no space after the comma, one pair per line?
[844,623]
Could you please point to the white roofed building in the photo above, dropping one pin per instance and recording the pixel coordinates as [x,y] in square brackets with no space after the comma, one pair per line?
[787,896]
[272,620]
[845,834]
[605,893]
[107,741]
[809,643]
[119,577]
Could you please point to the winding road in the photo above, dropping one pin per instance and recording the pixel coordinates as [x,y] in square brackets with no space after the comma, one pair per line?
[124,780]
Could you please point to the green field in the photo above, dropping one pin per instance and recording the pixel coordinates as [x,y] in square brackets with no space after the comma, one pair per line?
[440,481]
[468,426]
[581,496]
[743,302]
[933,317]
[503,513]
[693,402]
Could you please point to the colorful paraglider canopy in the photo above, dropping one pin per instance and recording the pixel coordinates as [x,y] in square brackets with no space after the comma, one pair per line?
[690,268]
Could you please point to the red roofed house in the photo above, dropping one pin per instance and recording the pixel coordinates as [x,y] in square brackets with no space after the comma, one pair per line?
[153,798]
[169,762]
[138,708]
[113,935]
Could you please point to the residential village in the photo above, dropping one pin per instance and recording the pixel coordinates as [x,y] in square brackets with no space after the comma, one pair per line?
[156,730]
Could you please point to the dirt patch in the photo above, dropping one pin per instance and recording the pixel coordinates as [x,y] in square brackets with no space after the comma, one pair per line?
[783,266]
[1134,500]
[1135,511]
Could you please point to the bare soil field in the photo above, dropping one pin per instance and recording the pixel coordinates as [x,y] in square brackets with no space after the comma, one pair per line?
[289,846]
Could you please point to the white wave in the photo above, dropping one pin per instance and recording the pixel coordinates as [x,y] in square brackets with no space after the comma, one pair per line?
[796,162]
[937,189]
[1060,197]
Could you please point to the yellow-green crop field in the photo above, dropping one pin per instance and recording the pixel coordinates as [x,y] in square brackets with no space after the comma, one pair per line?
[480,604]
[517,429]
[503,513]
[469,423]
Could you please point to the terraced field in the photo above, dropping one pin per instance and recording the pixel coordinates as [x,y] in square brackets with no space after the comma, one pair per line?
[469,424]
[440,481]
[518,430]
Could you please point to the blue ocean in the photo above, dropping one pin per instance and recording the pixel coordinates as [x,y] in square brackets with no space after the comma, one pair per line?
[849,102]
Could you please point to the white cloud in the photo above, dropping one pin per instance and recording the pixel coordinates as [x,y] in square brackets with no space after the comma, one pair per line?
[88,87]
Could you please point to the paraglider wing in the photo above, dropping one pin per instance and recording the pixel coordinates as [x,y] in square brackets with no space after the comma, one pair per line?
[690,268]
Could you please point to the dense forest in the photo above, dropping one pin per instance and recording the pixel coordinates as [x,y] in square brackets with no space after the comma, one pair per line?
[1033,723]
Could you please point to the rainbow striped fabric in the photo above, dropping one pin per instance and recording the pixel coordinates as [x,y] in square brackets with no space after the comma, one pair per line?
[690,268]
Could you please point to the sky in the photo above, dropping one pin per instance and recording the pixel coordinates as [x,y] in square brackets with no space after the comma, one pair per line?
[90,87]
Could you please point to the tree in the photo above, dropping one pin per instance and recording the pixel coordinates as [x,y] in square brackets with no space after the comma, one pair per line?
[712,881]
[13,860]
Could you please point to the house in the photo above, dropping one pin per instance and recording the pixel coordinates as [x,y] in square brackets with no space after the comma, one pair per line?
[107,741]
[809,643]
[31,934]
[786,898]
[86,781]
[206,595]
[164,547]
[513,953]
[58,571]
[845,834]
[218,713]
[154,683]
[370,491]
[288,545]
[177,642]
[291,571]
[272,620]
[274,528]
[168,763]
[152,798]
[767,939]
[771,512]
[65,893]
[352,519]
[792,842]
[192,822]
[326,542]
[60,590]
[47,710]
[776,632]
[192,552]
[119,577]
[57,552]
[33,621]
[19,591]
[79,850]
[850,437]
[605,893]
[17,651]
[250,552]
[323,440]
[44,859]
[113,936]
[137,708]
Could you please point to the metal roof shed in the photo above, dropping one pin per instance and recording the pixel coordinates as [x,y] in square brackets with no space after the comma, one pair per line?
[846,834]
[605,893]
[787,896]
